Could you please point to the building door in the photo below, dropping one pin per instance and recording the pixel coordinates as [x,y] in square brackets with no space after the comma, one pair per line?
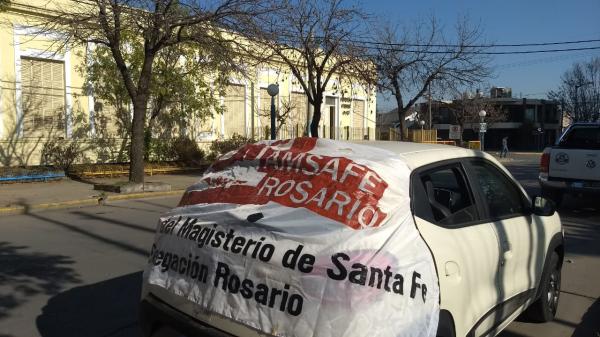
[332,122]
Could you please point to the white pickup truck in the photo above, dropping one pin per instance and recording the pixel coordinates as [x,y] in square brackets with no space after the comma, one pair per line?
[573,164]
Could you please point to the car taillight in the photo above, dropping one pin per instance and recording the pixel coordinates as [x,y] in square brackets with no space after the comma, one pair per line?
[545,162]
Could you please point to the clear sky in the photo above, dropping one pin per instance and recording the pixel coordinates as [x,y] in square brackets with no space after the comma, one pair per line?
[510,21]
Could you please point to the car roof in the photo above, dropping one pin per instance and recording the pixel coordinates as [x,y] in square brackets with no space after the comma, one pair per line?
[416,155]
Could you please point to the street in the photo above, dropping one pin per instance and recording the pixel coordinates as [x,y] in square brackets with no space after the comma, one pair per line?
[77,272]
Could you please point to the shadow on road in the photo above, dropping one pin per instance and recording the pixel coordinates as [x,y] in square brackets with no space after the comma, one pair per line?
[25,274]
[582,239]
[115,222]
[77,229]
[590,322]
[108,308]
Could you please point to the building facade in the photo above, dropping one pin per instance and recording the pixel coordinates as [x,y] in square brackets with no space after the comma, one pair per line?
[44,96]
[529,124]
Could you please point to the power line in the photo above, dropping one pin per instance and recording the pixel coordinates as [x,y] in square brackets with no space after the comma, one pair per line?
[478,52]
[512,52]
[494,45]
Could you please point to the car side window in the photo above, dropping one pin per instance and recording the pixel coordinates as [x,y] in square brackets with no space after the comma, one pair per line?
[448,195]
[502,196]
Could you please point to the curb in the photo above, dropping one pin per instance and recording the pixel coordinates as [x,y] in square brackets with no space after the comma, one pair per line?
[22,209]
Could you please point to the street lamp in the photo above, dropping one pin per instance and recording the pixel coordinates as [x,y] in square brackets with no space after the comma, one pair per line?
[482,130]
[577,86]
[273,90]
[422,122]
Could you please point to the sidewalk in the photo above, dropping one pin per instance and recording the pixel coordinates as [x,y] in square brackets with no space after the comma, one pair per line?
[21,197]
[528,158]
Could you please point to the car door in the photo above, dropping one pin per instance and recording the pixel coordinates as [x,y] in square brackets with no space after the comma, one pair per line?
[465,249]
[507,208]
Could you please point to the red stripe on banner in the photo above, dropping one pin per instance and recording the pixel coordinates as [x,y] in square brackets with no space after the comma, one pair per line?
[334,187]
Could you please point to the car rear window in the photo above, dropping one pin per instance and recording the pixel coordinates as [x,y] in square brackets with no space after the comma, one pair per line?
[581,137]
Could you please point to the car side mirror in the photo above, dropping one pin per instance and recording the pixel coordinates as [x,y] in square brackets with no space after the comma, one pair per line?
[543,207]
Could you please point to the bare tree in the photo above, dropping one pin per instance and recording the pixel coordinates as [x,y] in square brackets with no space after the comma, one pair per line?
[409,60]
[579,91]
[316,40]
[160,24]
[284,114]
[464,111]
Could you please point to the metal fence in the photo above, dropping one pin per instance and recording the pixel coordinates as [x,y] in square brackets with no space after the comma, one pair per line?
[342,133]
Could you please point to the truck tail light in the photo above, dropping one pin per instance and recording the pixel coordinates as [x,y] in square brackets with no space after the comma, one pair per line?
[545,161]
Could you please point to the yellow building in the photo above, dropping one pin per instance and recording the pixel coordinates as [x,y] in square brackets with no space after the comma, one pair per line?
[43,96]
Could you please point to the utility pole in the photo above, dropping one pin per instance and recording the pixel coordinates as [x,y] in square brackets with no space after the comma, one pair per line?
[252,109]
[429,94]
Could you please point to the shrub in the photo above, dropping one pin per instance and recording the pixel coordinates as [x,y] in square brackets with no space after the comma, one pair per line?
[221,146]
[160,149]
[187,150]
[61,153]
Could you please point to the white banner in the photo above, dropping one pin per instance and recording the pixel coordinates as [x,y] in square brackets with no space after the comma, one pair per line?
[303,237]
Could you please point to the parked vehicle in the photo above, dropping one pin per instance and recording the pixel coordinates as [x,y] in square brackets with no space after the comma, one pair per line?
[495,253]
[573,164]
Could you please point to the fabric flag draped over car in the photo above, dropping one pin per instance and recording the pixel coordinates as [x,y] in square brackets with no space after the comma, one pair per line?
[303,237]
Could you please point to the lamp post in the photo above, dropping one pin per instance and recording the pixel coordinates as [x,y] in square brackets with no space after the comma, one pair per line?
[422,124]
[273,90]
[482,130]
[577,86]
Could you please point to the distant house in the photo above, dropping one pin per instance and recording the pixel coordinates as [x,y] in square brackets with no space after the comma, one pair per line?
[529,124]
[390,120]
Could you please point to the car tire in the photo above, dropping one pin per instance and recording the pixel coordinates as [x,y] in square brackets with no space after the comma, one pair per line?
[544,308]
[555,195]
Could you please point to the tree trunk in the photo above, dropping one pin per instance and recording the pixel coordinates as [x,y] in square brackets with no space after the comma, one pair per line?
[136,166]
[400,108]
[314,124]
[140,105]
[402,115]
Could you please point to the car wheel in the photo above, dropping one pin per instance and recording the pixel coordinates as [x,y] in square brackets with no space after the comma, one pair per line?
[554,195]
[544,308]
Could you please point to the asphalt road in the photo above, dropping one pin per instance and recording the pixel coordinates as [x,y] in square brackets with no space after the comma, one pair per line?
[76,272]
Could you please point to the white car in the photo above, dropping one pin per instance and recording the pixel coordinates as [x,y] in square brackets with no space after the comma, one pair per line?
[497,254]
[573,164]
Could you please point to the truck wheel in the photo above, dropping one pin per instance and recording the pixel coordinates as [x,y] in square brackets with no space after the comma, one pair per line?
[555,195]
[544,308]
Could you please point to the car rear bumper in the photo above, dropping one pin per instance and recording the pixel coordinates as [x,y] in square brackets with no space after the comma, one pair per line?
[155,313]
[568,185]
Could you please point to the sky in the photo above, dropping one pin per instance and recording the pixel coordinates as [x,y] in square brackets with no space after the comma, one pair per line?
[509,21]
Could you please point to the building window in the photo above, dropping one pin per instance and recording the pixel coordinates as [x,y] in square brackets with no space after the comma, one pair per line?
[235,113]
[530,114]
[43,97]
[299,106]
[358,119]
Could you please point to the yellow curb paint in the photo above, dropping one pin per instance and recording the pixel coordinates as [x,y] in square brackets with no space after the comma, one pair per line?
[143,195]
[84,202]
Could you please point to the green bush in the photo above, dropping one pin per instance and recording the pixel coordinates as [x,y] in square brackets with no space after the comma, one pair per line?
[221,146]
[176,149]
[187,150]
[61,153]
[160,149]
